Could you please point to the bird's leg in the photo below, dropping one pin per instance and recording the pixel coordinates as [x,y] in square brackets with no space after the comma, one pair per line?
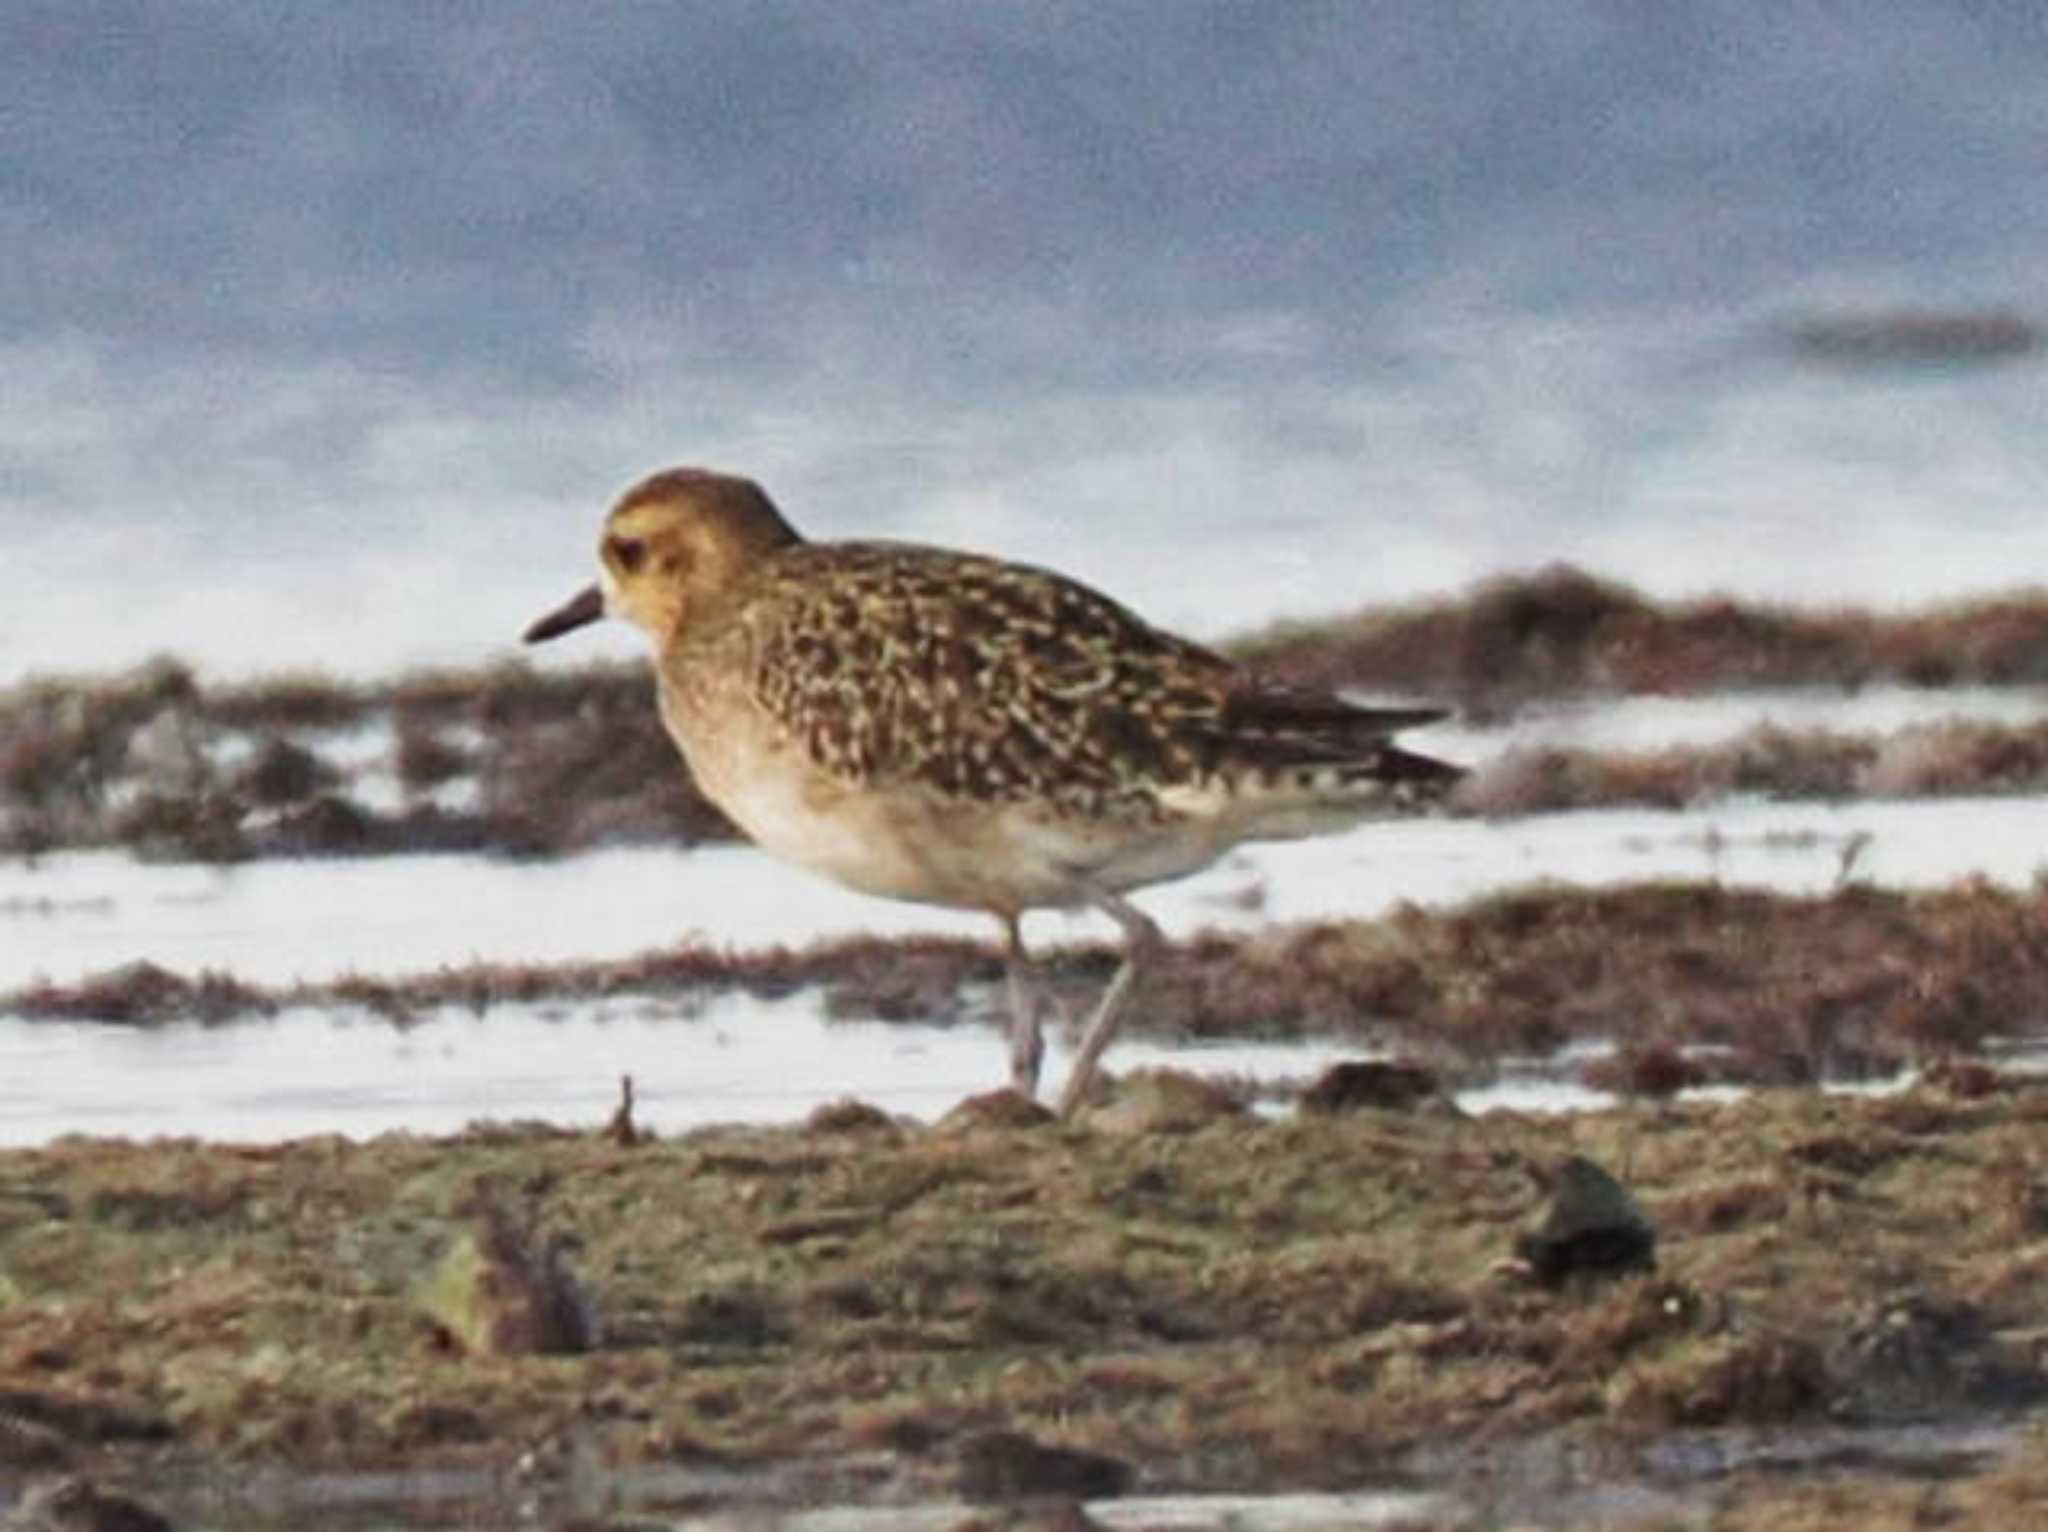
[1142,942]
[1027,1042]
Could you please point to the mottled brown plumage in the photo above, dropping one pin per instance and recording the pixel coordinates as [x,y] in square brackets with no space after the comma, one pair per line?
[940,726]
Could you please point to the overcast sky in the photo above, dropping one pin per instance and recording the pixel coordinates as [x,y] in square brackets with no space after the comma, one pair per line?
[295,294]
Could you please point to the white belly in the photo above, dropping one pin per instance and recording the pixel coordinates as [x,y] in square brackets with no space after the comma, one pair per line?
[911,844]
[904,841]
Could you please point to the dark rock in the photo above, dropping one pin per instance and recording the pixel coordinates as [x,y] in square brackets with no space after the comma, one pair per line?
[1371,1085]
[997,1466]
[1593,1226]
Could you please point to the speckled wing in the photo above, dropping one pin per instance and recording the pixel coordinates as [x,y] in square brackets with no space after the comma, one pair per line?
[1272,726]
[1002,682]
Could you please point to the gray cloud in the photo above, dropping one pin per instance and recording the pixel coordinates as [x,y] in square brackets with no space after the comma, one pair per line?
[471,185]
[290,278]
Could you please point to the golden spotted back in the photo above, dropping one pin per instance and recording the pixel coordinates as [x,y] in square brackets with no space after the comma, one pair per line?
[976,678]
[1003,683]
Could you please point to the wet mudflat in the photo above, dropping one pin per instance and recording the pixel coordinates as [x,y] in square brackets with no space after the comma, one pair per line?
[1172,1295]
[1184,1313]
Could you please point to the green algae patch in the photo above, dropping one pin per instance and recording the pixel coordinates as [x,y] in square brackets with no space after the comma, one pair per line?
[1236,1303]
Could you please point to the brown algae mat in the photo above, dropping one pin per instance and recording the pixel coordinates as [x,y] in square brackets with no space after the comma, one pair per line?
[1762,987]
[1223,1301]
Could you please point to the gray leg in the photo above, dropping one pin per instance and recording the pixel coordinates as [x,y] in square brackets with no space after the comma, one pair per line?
[1027,1043]
[1142,942]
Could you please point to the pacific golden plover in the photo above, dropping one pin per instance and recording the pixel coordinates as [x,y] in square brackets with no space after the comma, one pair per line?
[943,727]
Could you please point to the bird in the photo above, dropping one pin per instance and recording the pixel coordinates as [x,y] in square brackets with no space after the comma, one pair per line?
[955,729]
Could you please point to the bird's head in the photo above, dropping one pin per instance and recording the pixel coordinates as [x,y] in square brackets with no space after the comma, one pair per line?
[673,540]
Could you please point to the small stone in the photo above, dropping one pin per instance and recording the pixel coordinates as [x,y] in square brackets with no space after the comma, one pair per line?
[1375,1084]
[998,1466]
[1592,1226]
[1003,1108]
[1648,1072]
[849,1115]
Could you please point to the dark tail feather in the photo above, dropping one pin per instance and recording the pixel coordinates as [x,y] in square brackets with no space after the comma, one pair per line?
[1270,724]
[1423,776]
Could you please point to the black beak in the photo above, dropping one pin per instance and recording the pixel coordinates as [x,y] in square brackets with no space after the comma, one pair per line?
[586,606]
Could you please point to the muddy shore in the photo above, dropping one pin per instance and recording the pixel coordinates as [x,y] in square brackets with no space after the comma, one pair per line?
[1213,1299]
[1176,1294]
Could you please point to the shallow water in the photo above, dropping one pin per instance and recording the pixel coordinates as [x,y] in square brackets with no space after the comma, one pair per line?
[278,921]
[275,921]
[1652,723]
[310,1071]
[736,1057]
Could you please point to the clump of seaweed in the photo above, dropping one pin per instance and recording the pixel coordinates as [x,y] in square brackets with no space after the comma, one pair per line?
[143,994]
[1560,631]
[152,761]
[1692,983]
[533,763]
[66,745]
[1952,757]
[423,756]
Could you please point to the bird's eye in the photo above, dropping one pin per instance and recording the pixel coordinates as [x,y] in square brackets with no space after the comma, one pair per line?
[629,553]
